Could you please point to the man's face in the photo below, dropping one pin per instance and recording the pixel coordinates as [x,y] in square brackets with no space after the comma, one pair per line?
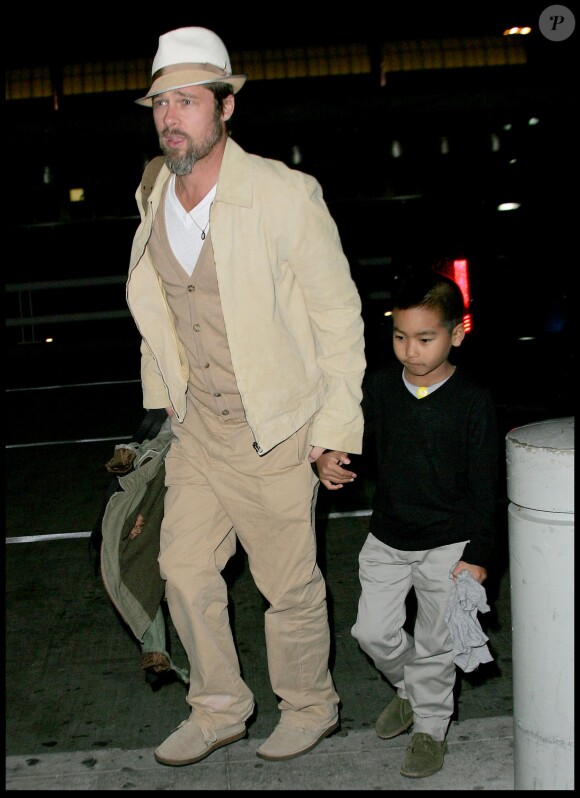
[188,124]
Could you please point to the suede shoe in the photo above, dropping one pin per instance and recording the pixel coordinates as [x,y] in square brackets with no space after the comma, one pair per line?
[424,756]
[155,662]
[190,743]
[287,742]
[396,718]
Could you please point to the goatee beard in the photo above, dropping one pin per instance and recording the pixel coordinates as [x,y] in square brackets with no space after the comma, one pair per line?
[180,166]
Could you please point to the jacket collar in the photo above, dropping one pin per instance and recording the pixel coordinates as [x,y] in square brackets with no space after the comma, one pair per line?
[235,183]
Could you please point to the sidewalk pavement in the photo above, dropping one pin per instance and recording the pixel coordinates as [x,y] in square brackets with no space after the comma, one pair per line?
[479,757]
[80,714]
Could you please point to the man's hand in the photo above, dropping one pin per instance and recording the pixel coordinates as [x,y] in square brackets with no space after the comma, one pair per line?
[330,468]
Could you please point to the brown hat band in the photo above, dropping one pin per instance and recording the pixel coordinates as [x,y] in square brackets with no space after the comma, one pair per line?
[183,67]
[178,76]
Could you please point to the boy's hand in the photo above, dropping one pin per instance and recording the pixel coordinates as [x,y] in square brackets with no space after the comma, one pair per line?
[330,468]
[477,571]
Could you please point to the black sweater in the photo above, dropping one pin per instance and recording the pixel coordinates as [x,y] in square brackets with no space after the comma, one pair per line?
[437,463]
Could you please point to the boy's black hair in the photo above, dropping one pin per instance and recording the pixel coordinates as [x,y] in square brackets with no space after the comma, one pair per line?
[427,288]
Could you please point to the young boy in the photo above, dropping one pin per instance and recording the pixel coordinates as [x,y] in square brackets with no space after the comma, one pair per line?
[434,432]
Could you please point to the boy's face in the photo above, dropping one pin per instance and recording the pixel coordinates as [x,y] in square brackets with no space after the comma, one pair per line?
[422,344]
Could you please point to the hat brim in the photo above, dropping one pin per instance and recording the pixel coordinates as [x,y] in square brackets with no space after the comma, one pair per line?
[190,77]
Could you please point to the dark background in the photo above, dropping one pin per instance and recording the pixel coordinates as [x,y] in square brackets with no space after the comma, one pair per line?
[423,207]
[65,32]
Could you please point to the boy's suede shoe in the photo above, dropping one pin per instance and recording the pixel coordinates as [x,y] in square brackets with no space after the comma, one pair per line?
[190,743]
[396,718]
[424,756]
[286,742]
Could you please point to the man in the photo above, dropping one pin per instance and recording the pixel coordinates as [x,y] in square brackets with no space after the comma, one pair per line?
[252,339]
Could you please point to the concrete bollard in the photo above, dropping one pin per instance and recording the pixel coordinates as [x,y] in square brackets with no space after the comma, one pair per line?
[540,488]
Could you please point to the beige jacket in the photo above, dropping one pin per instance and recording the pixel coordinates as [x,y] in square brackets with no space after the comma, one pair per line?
[291,309]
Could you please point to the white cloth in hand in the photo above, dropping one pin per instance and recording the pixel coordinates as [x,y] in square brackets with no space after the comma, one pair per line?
[470,648]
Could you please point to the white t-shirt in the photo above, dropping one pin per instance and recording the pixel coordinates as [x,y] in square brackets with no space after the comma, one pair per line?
[185,229]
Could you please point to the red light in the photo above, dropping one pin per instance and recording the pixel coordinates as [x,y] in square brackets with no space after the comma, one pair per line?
[461,277]
[458,270]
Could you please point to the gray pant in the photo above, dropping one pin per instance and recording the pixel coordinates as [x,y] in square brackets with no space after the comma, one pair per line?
[421,666]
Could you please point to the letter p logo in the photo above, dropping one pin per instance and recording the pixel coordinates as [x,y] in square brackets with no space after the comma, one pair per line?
[556,23]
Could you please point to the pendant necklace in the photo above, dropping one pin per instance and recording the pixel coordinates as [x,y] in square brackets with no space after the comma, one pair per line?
[202,230]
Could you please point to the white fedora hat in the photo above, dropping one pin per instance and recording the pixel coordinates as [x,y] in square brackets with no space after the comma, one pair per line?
[190,57]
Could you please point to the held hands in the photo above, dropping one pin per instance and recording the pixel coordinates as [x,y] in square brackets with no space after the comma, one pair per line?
[330,471]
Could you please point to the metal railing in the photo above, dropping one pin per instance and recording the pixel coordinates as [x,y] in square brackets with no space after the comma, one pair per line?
[27,320]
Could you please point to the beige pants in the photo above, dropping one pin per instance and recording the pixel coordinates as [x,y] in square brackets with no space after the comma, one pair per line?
[216,484]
